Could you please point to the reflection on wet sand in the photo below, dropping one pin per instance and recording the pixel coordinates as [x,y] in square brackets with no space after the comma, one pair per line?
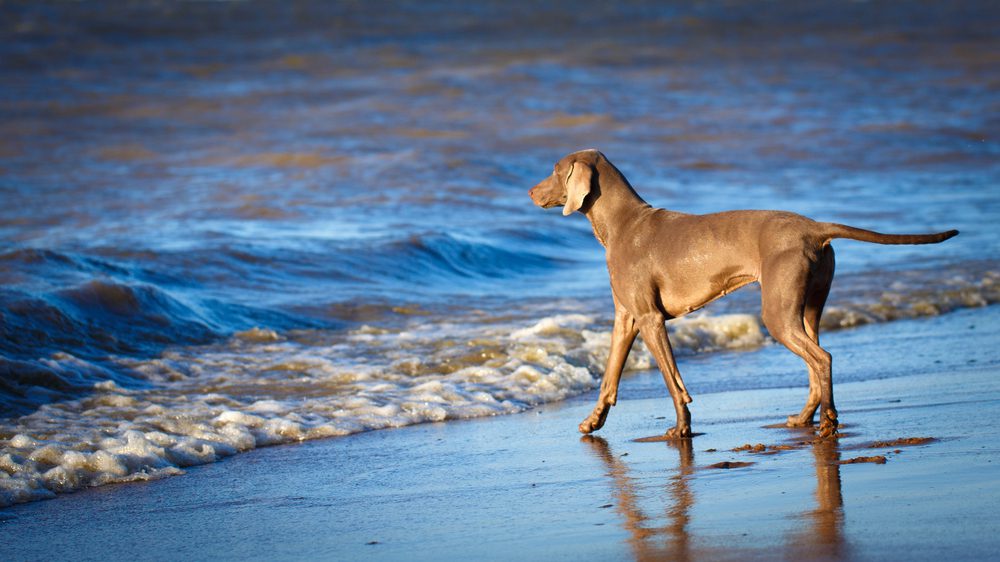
[819,537]
[671,541]
[824,538]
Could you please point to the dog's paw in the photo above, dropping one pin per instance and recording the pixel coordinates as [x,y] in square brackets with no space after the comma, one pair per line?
[678,433]
[828,425]
[595,420]
[796,421]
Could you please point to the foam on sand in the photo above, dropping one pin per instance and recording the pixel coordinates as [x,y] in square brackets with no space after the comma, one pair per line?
[256,391]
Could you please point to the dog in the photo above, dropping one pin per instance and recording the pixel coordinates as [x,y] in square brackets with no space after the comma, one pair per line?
[665,264]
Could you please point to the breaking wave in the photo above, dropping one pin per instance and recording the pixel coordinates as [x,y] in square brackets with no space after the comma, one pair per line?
[261,388]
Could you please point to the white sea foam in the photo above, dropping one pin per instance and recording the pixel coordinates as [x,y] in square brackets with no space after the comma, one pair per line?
[214,402]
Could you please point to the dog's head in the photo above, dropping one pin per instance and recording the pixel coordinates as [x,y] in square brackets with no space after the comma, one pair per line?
[570,183]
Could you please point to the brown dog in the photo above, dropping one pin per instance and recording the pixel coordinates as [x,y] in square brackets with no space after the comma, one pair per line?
[664,264]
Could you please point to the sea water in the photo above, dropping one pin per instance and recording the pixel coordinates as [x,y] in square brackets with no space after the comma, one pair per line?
[230,225]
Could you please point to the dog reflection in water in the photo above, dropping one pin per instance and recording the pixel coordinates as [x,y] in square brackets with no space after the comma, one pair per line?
[822,538]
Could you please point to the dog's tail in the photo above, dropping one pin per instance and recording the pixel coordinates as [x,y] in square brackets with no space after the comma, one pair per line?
[834,230]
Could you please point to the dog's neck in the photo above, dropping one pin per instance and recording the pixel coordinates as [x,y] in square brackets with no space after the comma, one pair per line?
[614,200]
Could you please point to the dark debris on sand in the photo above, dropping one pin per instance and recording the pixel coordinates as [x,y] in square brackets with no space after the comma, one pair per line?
[879,459]
[901,442]
[730,464]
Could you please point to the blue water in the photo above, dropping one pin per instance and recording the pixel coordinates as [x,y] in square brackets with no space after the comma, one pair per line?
[270,210]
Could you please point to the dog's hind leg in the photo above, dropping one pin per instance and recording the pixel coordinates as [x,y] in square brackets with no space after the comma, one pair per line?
[817,290]
[622,337]
[654,333]
[784,282]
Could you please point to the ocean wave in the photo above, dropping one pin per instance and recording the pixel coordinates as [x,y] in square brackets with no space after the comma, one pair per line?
[435,262]
[428,263]
[100,316]
[56,346]
[134,303]
[262,388]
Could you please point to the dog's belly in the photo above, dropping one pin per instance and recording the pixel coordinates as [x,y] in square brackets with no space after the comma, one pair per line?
[701,273]
[680,297]
[675,293]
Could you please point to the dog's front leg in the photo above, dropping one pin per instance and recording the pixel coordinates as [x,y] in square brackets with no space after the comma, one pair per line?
[622,337]
[654,333]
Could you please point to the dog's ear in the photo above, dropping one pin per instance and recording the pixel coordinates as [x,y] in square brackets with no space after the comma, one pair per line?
[577,187]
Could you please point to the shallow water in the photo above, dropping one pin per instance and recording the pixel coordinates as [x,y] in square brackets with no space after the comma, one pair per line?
[225,225]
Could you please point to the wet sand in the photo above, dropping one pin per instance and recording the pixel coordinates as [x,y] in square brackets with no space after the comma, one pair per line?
[527,486]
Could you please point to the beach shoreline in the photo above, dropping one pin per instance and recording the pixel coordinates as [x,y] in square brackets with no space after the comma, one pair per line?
[526,485]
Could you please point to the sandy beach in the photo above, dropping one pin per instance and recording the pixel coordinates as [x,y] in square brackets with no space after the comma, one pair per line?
[527,486]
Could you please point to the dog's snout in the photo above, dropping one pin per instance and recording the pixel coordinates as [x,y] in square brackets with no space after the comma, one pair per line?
[538,195]
[543,194]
